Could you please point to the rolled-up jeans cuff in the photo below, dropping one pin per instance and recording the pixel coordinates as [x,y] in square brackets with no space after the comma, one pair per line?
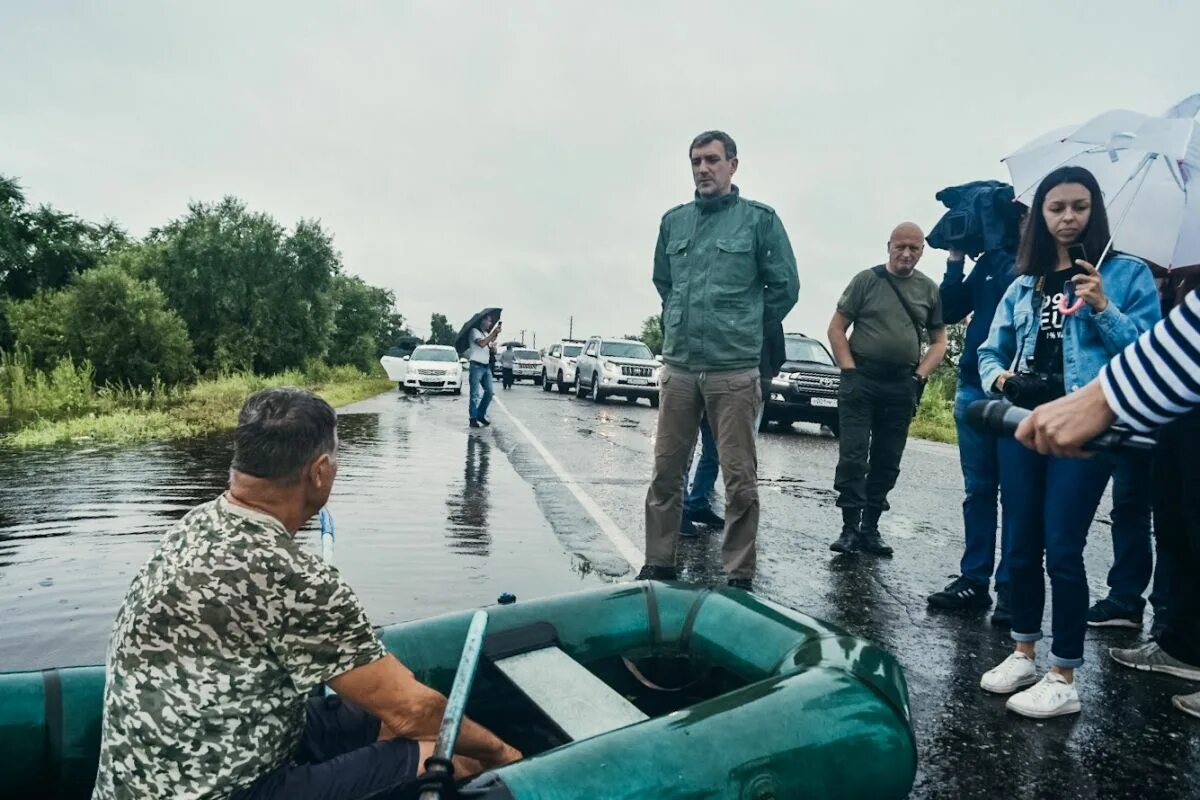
[1025,637]
[1065,663]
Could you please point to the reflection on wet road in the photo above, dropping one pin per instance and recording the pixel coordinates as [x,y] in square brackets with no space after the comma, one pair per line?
[433,517]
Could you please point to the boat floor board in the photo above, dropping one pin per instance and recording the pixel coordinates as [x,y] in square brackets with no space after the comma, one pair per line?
[577,701]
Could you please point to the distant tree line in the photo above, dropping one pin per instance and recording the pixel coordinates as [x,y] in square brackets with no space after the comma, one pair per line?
[220,289]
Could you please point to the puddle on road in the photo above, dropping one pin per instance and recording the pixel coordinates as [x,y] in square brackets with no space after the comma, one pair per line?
[429,519]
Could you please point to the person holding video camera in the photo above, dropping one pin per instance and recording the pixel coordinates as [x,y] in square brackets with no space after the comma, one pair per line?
[1057,326]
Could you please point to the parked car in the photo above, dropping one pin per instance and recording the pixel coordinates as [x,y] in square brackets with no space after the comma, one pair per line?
[558,364]
[620,367]
[526,367]
[806,388]
[431,367]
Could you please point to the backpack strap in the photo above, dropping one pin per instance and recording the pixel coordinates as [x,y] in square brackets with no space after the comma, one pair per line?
[882,273]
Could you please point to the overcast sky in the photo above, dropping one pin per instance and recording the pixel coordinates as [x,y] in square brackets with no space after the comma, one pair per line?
[521,154]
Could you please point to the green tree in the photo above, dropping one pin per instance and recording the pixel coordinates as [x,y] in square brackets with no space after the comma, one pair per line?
[652,335]
[362,322]
[252,296]
[120,324]
[441,331]
[43,249]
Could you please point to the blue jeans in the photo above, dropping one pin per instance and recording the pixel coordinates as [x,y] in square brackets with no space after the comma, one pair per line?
[1048,507]
[1133,559]
[481,390]
[700,497]
[977,454]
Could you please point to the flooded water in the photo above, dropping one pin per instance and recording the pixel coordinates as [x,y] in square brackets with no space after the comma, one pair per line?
[428,519]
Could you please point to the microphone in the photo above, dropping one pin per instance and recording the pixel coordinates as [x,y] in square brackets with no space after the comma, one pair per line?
[1001,418]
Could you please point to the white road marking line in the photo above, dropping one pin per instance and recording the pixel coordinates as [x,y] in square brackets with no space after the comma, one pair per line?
[625,546]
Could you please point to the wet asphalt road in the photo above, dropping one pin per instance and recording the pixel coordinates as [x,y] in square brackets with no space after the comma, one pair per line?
[434,517]
[1127,742]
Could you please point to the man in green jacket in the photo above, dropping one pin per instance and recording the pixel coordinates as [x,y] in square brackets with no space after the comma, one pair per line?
[725,270]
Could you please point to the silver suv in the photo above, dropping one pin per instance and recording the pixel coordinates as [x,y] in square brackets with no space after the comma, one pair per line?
[558,364]
[621,367]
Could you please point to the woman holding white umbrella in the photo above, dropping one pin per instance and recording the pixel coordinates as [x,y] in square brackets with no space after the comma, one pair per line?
[1057,326]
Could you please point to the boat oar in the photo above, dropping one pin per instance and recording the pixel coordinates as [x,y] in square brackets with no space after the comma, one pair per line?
[326,535]
[439,764]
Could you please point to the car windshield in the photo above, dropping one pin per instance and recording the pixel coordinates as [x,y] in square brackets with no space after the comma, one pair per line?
[572,350]
[626,350]
[807,350]
[528,355]
[433,354]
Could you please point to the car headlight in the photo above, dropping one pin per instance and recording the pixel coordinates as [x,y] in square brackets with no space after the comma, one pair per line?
[777,397]
[610,367]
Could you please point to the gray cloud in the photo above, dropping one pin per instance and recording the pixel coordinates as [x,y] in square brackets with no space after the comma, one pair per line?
[521,154]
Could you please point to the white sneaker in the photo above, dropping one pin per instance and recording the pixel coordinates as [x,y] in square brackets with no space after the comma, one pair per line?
[1013,673]
[1052,696]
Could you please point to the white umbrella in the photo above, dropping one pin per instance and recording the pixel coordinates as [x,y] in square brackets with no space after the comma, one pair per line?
[1149,171]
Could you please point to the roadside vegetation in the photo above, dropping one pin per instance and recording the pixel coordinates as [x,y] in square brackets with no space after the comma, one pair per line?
[104,337]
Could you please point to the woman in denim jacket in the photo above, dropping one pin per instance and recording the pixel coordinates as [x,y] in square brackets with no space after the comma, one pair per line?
[1058,324]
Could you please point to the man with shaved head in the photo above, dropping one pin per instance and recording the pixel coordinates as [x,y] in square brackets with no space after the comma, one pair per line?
[891,308]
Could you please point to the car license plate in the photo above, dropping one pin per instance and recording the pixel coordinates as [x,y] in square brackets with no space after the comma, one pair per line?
[825,402]
[638,381]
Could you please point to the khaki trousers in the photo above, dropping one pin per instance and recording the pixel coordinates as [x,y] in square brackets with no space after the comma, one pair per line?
[731,399]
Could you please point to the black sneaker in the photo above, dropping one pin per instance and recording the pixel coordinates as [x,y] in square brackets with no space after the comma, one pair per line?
[484,421]
[1107,614]
[474,423]
[741,583]
[706,517]
[1158,628]
[1002,616]
[961,594]
[653,573]
[686,529]
[871,542]
[846,543]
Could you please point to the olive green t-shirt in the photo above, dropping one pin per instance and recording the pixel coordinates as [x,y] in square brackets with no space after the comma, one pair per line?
[883,331]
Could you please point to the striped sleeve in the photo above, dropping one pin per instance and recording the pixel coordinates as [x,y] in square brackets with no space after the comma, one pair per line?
[1157,378]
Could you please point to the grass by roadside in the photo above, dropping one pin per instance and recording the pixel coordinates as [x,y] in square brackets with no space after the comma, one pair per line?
[64,406]
[935,415]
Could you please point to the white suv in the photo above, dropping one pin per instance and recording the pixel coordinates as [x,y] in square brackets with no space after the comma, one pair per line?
[558,364]
[620,367]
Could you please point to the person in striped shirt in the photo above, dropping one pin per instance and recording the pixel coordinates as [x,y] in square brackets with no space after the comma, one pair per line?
[1154,384]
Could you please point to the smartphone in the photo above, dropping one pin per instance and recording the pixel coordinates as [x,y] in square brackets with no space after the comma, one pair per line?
[1077,252]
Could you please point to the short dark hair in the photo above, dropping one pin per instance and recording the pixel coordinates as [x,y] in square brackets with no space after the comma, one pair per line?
[280,430]
[715,136]
[1037,253]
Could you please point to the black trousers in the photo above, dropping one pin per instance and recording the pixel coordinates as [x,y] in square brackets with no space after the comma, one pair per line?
[1177,526]
[874,416]
[507,377]
[340,758]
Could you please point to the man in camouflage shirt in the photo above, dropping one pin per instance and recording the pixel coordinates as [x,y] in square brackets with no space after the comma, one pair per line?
[229,626]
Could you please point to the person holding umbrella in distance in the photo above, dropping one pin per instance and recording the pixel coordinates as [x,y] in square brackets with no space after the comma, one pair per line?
[476,338]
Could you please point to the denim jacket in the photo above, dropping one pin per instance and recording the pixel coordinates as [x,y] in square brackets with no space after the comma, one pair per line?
[1090,339]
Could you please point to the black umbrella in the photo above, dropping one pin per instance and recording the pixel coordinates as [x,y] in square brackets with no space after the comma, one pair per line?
[463,342]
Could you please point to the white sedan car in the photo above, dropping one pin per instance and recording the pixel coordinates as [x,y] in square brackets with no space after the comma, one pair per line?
[431,367]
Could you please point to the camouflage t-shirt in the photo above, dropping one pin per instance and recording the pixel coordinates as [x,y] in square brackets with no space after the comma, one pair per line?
[224,631]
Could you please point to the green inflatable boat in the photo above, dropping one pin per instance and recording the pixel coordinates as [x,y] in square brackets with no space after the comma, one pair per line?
[636,690]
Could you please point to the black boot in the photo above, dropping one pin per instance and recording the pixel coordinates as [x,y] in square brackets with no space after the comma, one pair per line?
[653,573]
[869,540]
[848,541]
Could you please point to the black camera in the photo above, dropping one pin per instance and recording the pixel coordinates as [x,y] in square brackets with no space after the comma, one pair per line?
[1031,389]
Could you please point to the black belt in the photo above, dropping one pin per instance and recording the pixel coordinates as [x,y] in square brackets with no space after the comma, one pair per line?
[883,371]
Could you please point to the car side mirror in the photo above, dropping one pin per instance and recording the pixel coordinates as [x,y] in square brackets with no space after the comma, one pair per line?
[658,358]
[406,358]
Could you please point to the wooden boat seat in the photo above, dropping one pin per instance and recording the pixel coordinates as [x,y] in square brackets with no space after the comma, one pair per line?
[577,701]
